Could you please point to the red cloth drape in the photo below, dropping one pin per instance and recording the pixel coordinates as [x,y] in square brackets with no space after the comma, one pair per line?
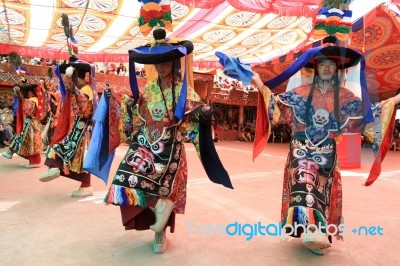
[383,149]
[262,128]
[20,117]
[64,121]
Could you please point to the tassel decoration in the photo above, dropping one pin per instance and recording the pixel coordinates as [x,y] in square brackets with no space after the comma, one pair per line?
[155,14]
[305,216]
[333,21]
[72,43]
[122,196]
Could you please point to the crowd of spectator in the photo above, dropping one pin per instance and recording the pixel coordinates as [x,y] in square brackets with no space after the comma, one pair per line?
[228,84]
[101,67]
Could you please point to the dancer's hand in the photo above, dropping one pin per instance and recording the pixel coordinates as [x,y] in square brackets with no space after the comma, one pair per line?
[397,99]
[256,80]
[67,81]
[17,91]
[203,114]
[107,90]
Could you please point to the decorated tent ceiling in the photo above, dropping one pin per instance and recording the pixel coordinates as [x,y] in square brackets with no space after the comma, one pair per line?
[377,36]
[254,30]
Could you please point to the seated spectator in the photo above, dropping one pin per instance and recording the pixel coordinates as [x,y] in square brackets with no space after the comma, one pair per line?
[245,136]
[249,131]
[6,130]
[216,138]
[112,69]
[123,71]
[395,139]
[277,134]
[120,69]
[104,68]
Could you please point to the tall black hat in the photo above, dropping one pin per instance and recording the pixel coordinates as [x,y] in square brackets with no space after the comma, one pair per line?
[25,88]
[344,57]
[161,50]
[80,66]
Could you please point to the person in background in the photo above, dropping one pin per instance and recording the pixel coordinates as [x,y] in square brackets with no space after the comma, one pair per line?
[51,121]
[2,133]
[112,70]
[121,68]
[319,113]
[244,135]
[27,143]
[6,120]
[65,157]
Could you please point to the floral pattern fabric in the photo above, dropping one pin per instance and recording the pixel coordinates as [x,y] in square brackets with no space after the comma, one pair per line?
[312,187]
[29,142]
[155,164]
[71,149]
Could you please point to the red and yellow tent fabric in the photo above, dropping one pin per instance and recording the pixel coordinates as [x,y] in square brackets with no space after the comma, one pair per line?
[376,35]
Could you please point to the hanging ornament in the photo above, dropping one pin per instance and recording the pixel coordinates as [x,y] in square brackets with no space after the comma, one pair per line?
[332,21]
[15,59]
[155,14]
[341,4]
[72,43]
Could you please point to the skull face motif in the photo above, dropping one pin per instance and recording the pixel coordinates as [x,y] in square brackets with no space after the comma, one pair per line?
[158,111]
[70,145]
[120,178]
[163,191]
[320,118]
[81,125]
[309,200]
[133,180]
[173,167]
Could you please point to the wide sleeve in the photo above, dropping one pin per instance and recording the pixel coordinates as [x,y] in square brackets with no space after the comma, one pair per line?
[30,106]
[132,121]
[99,157]
[82,102]
[268,114]
[200,135]
[189,127]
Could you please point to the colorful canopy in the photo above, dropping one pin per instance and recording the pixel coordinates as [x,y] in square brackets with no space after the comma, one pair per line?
[376,35]
[256,30]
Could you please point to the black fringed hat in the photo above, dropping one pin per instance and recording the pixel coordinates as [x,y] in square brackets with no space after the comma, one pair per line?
[81,67]
[344,57]
[28,87]
[161,50]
